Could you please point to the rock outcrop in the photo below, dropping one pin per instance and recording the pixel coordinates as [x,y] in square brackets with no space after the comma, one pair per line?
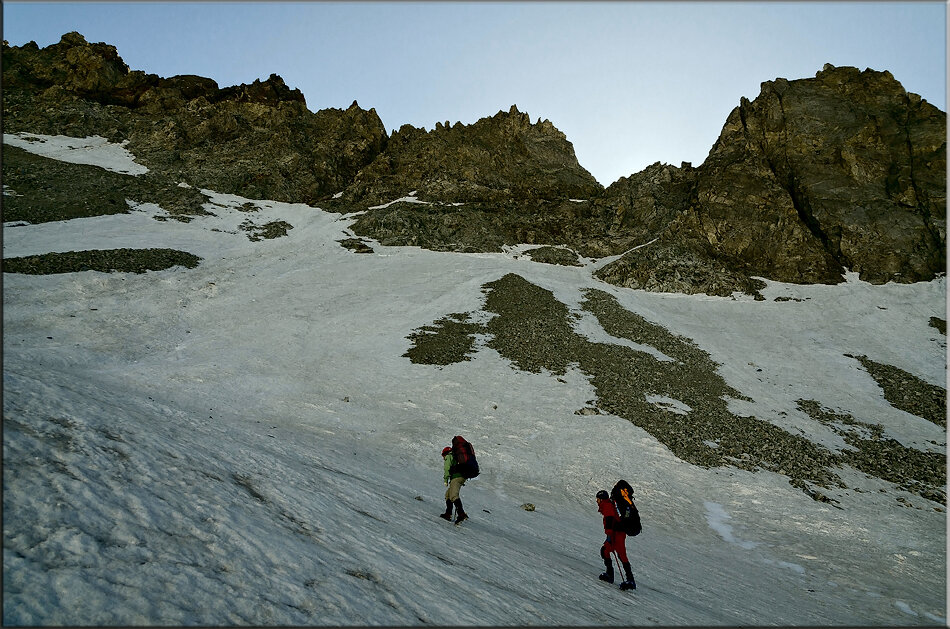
[257,140]
[814,177]
[497,159]
[499,181]
[845,170]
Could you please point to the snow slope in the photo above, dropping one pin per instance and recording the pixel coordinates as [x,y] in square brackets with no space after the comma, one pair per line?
[245,443]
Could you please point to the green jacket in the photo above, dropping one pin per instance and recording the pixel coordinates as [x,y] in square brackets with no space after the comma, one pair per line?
[449,462]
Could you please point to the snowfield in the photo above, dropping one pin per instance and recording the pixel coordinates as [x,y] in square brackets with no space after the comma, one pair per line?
[245,443]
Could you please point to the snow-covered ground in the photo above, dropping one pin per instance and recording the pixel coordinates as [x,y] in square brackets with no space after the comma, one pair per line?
[245,443]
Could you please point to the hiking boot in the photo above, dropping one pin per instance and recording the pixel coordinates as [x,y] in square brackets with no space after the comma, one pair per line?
[629,584]
[629,573]
[609,575]
[460,514]
[448,511]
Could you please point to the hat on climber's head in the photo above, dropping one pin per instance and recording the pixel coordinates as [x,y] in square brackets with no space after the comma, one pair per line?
[602,495]
[446,450]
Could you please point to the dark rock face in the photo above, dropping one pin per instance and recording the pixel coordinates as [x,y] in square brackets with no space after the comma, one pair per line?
[92,71]
[496,159]
[499,181]
[485,226]
[260,150]
[671,255]
[860,162]
[256,140]
[843,170]
[846,170]
[645,203]
[813,177]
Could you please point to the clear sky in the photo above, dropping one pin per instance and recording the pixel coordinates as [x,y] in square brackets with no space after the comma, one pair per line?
[629,83]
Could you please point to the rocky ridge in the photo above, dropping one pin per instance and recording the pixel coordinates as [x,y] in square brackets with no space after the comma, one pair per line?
[257,140]
[845,170]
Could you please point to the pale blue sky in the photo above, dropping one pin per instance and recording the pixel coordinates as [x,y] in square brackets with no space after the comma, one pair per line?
[629,83]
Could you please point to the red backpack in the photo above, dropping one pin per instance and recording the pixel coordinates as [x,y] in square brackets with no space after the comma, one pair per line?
[464,454]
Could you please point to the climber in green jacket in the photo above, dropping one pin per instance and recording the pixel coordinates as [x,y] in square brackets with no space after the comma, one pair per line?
[454,482]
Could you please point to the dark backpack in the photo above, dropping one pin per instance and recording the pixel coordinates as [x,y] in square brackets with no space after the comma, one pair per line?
[622,495]
[464,454]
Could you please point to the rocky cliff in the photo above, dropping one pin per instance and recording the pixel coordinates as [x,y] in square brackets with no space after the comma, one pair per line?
[257,140]
[845,170]
[496,159]
[501,180]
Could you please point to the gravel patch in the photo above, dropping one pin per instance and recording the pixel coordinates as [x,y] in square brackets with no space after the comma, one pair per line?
[922,473]
[554,255]
[907,392]
[535,332]
[39,190]
[104,260]
[449,340]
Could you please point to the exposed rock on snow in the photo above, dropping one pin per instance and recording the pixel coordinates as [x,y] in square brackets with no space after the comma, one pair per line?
[681,403]
[449,340]
[106,261]
[52,190]
[265,231]
[677,267]
[553,255]
[356,245]
[922,473]
[908,392]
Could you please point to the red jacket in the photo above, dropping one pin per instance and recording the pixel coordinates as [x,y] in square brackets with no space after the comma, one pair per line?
[611,515]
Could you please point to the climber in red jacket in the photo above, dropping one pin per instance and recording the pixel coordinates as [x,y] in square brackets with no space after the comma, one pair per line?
[615,542]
